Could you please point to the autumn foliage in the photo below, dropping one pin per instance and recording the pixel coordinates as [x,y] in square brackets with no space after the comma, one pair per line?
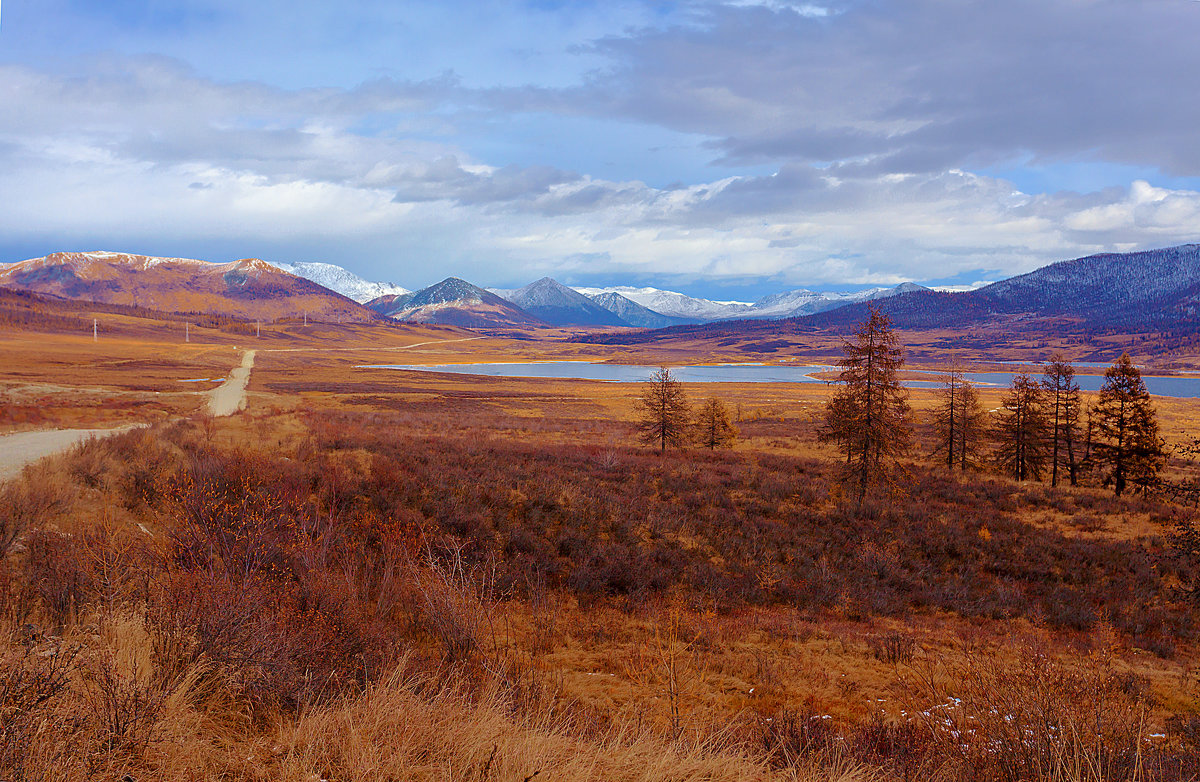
[380,587]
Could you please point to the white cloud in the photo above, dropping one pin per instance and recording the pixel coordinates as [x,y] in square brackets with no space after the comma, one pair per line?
[804,9]
[1143,214]
[144,152]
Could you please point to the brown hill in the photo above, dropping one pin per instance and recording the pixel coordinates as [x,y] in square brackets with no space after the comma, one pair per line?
[248,288]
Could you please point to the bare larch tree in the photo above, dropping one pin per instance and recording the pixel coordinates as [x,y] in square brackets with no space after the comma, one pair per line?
[664,416]
[1063,403]
[869,417]
[959,421]
[1022,434]
[713,429]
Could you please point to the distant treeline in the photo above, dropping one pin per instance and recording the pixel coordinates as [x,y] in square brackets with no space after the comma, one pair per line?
[1151,326]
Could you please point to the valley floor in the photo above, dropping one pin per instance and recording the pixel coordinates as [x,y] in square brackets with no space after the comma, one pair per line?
[369,574]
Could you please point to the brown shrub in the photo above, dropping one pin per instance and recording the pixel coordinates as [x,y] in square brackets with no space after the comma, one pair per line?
[1034,718]
[57,576]
[892,648]
[124,706]
[275,573]
[32,500]
[733,528]
[788,737]
[455,606]
[32,679]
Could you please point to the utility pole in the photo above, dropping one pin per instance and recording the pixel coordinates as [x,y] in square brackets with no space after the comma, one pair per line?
[187,332]
[306,317]
[258,328]
[95,330]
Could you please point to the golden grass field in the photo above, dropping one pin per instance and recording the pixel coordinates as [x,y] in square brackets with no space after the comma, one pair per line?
[562,677]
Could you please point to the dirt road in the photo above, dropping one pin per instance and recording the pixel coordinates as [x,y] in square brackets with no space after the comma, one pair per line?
[230,396]
[22,448]
[18,450]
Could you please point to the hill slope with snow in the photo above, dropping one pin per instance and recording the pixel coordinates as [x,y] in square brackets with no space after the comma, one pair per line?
[675,305]
[342,280]
[633,313]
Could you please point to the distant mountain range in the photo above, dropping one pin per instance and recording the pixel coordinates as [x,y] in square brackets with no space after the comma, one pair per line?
[1139,290]
[1157,289]
[792,304]
[686,309]
[552,303]
[1153,290]
[633,313]
[547,302]
[555,303]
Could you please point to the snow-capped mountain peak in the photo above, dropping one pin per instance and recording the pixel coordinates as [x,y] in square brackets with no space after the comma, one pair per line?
[674,305]
[343,281]
[559,305]
[633,313]
[801,301]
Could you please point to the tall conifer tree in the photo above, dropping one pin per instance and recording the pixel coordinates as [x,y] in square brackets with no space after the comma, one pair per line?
[958,421]
[1126,437]
[869,417]
[664,416]
[713,429]
[1022,434]
[1063,405]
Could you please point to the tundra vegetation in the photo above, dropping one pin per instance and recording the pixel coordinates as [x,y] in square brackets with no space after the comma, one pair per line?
[495,583]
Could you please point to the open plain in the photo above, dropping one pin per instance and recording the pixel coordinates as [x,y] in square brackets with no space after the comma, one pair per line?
[501,555]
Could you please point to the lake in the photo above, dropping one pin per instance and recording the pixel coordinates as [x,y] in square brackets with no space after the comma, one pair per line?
[1182,387]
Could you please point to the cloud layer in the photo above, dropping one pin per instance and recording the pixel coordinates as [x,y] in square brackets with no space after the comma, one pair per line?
[717,144]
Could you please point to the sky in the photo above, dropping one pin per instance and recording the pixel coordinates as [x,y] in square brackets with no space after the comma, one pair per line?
[724,148]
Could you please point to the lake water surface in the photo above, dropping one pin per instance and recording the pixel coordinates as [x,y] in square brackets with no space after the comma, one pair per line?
[1184,387]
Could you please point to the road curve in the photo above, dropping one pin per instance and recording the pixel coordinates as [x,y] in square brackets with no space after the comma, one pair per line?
[22,448]
[230,396]
[18,450]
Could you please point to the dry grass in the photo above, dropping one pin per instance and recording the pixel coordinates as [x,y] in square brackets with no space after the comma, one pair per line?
[282,597]
[374,575]
[398,731]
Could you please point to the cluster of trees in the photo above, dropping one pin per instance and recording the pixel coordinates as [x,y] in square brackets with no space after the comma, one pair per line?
[1036,428]
[1041,426]
[666,417]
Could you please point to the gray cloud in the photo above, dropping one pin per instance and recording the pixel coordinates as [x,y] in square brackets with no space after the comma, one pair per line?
[446,179]
[867,122]
[921,85]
